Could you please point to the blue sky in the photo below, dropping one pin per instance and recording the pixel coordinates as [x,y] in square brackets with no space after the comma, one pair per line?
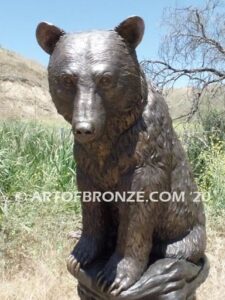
[19,18]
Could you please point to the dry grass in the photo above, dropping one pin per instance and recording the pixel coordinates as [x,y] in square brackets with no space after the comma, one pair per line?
[41,274]
[214,287]
[42,284]
[47,279]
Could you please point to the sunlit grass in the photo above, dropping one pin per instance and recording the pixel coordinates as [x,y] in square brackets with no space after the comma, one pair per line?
[35,158]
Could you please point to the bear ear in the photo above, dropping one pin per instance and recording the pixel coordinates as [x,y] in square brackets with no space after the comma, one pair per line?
[48,35]
[132,30]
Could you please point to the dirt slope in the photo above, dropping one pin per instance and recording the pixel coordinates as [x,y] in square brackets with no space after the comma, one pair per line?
[23,89]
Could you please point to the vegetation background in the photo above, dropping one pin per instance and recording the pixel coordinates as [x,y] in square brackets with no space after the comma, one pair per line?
[36,157]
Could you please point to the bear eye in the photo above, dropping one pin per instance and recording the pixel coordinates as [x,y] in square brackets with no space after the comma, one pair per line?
[105,80]
[68,81]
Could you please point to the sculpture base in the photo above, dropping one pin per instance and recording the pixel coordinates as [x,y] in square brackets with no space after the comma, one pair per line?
[165,279]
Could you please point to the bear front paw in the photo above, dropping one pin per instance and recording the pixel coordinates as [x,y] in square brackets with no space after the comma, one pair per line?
[119,274]
[84,253]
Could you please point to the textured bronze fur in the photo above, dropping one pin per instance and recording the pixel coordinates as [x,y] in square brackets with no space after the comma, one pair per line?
[124,141]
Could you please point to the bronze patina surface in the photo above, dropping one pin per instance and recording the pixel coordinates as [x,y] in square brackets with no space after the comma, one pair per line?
[125,142]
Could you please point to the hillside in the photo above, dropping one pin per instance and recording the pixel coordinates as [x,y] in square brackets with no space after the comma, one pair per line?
[23,89]
[24,92]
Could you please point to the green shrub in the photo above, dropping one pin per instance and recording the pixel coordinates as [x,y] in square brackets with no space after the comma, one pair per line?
[195,147]
[213,123]
[206,152]
[212,181]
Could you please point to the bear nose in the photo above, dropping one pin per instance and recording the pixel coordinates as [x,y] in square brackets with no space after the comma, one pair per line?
[84,131]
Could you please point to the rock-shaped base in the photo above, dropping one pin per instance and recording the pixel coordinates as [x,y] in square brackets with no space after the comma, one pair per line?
[165,279]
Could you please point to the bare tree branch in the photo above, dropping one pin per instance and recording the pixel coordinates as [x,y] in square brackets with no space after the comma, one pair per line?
[193,49]
[186,71]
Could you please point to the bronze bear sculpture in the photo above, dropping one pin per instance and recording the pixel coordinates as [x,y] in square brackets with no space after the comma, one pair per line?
[124,142]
